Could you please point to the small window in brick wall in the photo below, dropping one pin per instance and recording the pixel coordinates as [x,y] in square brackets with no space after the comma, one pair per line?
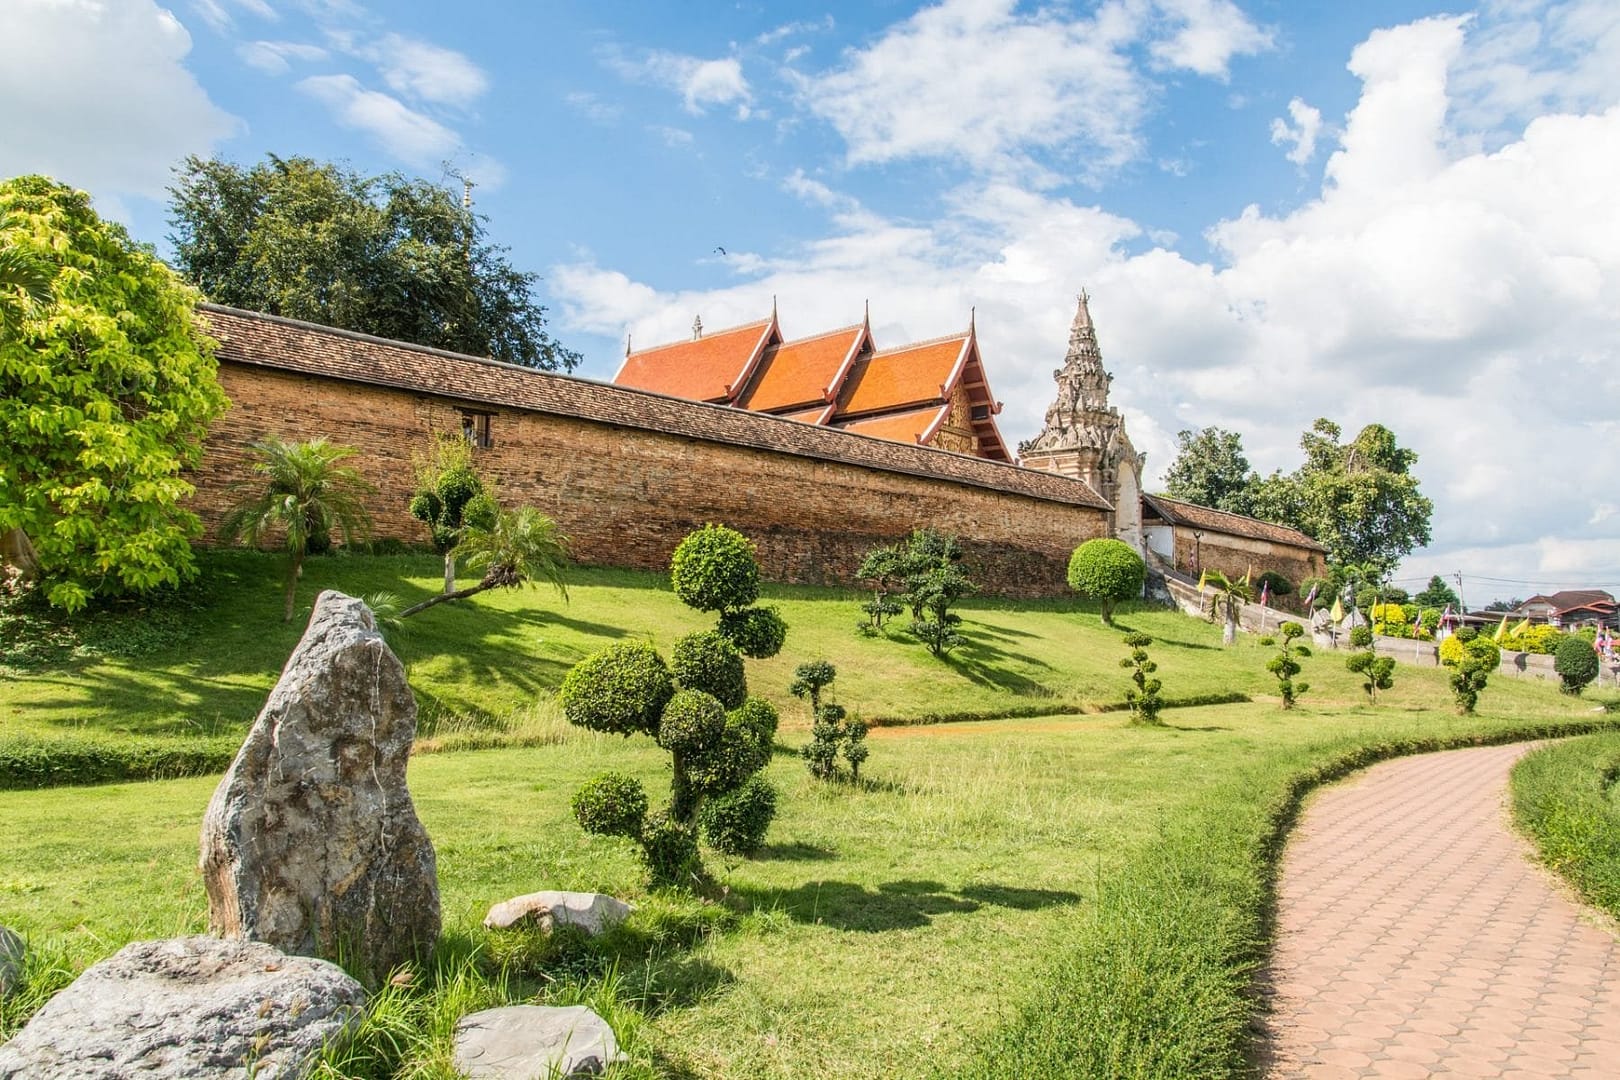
[475,428]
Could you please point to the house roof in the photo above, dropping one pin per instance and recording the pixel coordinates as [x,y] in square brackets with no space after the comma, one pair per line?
[713,367]
[283,344]
[1202,517]
[804,372]
[1574,599]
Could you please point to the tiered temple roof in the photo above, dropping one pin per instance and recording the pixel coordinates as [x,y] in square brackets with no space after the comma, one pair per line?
[932,393]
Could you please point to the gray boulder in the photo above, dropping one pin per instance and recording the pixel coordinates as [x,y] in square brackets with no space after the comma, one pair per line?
[589,912]
[11,960]
[534,1042]
[188,1007]
[311,842]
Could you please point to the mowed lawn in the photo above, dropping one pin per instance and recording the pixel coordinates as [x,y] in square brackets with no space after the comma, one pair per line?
[1061,896]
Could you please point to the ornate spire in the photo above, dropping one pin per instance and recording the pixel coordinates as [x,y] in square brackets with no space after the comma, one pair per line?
[1081,417]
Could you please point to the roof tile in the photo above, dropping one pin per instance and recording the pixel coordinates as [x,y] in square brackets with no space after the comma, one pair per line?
[1202,517]
[703,369]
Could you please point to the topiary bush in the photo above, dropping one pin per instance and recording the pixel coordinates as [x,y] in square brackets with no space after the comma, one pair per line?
[1467,643]
[736,823]
[709,662]
[1576,663]
[715,569]
[757,632]
[1285,665]
[831,732]
[1108,571]
[1143,698]
[669,851]
[1377,672]
[613,804]
[621,690]
[1361,636]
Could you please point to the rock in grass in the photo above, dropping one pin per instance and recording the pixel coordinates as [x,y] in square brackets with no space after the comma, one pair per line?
[11,960]
[311,842]
[188,1007]
[591,913]
[526,1042]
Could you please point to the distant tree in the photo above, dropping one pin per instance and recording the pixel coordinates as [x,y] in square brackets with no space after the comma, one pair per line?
[885,568]
[508,549]
[1227,600]
[1285,665]
[1211,470]
[1437,594]
[386,255]
[1108,571]
[1505,605]
[450,498]
[107,386]
[301,491]
[936,581]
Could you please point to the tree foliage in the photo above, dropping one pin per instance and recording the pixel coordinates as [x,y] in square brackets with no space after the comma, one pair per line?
[1227,600]
[1108,571]
[1285,665]
[1576,663]
[1143,696]
[450,497]
[107,386]
[300,491]
[1437,594]
[1377,672]
[1211,470]
[387,255]
[936,581]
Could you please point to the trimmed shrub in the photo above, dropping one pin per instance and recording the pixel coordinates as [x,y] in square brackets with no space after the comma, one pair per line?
[1376,671]
[735,824]
[1457,647]
[1361,636]
[1285,665]
[709,662]
[669,851]
[613,804]
[1143,698]
[94,758]
[741,749]
[757,632]
[760,716]
[1108,571]
[715,569]
[1576,663]
[691,721]
[620,690]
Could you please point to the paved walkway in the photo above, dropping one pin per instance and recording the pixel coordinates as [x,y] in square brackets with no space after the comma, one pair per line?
[1416,938]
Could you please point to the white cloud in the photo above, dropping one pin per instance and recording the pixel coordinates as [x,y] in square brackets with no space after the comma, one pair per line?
[428,72]
[1469,298]
[401,131]
[277,57]
[98,95]
[593,108]
[1206,35]
[673,137]
[1301,134]
[701,83]
[218,16]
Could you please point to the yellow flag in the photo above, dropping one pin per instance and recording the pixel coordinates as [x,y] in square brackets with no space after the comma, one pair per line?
[1522,627]
[1337,614]
[1202,578]
[1501,631]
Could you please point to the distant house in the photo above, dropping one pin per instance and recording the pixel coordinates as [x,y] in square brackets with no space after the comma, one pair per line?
[1193,539]
[1571,609]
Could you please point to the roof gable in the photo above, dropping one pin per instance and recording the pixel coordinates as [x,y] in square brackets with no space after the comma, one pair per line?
[713,367]
[805,372]
[1177,512]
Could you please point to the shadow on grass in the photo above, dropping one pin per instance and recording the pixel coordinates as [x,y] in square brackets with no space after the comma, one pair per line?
[898,905]
[985,664]
[795,852]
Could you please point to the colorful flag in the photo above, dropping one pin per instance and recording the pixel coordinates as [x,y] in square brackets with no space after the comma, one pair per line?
[1521,628]
[1337,614]
[1201,579]
[1417,622]
[1265,594]
[1446,616]
[1501,631]
[1311,599]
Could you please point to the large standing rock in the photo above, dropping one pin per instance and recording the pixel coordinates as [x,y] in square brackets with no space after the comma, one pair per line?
[590,913]
[311,842]
[533,1042]
[11,960]
[188,1007]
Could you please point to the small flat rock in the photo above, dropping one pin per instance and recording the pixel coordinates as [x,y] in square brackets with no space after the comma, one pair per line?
[11,960]
[590,912]
[188,1007]
[534,1042]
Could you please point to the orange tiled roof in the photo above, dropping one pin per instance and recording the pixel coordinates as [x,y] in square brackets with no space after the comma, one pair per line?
[909,375]
[814,415]
[796,373]
[901,427]
[710,368]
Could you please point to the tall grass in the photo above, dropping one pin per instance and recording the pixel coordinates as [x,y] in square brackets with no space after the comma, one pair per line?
[1567,798]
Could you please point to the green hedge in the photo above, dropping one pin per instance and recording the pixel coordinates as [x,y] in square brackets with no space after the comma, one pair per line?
[103,759]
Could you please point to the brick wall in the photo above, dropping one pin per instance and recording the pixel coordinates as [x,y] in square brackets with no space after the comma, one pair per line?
[1235,556]
[625,497]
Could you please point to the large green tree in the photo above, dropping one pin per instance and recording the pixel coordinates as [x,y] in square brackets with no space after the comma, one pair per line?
[107,385]
[387,255]
[1360,499]
[1211,470]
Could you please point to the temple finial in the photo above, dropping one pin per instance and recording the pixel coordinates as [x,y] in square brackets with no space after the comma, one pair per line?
[627,346]
[973,320]
[866,317]
[773,307]
[697,327]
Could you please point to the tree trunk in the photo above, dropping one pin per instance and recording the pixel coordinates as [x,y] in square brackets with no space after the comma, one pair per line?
[18,550]
[294,572]
[459,594]
[1229,631]
[683,799]
[449,572]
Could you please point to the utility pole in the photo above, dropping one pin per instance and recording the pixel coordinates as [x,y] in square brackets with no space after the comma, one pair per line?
[1460,594]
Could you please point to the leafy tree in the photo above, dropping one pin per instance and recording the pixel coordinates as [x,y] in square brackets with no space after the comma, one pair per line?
[1376,671]
[716,569]
[451,497]
[830,732]
[107,386]
[386,255]
[1227,600]
[509,549]
[1143,698]
[1576,663]
[1505,605]
[1437,594]
[1107,570]
[885,568]
[1285,665]
[1211,470]
[303,492]
[1472,658]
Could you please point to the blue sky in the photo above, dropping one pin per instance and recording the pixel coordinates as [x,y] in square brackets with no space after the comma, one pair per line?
[1380,211]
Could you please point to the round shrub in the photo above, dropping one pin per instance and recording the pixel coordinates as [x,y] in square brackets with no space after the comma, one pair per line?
[735,824]
[620,690]
[1576,663]
[692,721]
[669,850]
[1280,586]
[709,662]
[1482,649]
[715,569]
[613,804]
[1107,570]
[1361,636]
[743,749]
[758,632]
[759,715]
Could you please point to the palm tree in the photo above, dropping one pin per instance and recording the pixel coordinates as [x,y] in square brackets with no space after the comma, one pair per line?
[25,281]
[1228,598]
[518,547]
[305,492]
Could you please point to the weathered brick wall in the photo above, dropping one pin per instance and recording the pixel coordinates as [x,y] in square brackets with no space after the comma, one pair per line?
[1235,556]
[625,497]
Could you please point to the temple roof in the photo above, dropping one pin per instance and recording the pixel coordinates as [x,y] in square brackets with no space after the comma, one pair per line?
[808,370]
[709,367]
[915,426]
[908,375]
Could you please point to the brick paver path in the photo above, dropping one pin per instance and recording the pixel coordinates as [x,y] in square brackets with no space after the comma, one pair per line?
[1416,938]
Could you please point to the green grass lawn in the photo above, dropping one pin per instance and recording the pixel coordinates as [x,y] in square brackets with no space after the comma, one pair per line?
[1566,797]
